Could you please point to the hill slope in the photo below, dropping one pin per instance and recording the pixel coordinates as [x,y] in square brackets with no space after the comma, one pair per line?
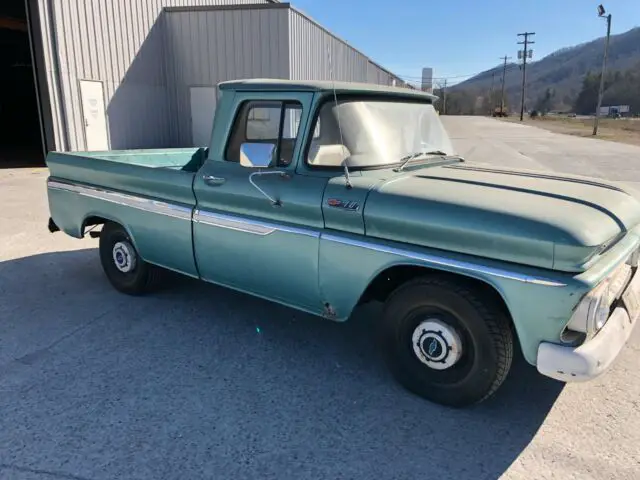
[563,70]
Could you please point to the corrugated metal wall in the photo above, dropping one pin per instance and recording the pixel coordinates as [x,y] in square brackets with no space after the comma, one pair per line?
[310,46]
[206,47]
[118,42]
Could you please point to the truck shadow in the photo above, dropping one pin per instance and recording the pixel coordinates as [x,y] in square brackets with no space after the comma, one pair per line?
[228,383]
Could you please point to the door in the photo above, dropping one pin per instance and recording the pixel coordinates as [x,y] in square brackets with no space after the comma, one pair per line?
[203,107]
[241,238]
[94,115]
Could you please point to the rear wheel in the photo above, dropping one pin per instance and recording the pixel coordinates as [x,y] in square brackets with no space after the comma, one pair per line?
[446,342]
[123,266]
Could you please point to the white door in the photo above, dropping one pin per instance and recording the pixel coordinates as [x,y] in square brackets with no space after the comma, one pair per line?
[203,107]
[94,115]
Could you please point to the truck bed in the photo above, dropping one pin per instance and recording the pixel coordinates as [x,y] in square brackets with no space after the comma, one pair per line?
[185,159]
[147,190]
[161,174]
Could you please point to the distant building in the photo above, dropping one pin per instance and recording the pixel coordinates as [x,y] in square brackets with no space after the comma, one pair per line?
[427,79]
[614,110]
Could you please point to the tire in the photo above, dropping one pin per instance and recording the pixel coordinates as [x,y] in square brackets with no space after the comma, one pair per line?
[133,276]
[446,342]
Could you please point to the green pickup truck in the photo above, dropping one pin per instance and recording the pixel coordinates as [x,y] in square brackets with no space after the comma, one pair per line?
[323,196]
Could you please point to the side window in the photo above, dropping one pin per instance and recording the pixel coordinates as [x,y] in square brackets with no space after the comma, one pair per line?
[277,123]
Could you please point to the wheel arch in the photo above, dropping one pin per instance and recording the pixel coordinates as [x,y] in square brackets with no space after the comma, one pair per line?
[386,280]
[94,219]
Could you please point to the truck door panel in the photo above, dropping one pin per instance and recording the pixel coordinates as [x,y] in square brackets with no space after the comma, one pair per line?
[241,239]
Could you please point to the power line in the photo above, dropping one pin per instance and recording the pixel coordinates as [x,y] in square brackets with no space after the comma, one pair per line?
[411,78]
[525,53]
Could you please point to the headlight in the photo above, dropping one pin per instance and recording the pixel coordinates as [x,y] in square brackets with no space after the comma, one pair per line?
[601,309]
[593,310]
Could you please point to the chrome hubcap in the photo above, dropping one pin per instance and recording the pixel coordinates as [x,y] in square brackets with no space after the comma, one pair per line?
[436,344]
[124,257]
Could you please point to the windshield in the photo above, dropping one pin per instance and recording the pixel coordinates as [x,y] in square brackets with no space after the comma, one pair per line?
[376,133]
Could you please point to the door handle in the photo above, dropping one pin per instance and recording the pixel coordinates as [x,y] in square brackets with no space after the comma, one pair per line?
[213,181]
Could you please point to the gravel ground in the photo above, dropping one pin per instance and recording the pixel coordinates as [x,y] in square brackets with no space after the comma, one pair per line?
[200,382]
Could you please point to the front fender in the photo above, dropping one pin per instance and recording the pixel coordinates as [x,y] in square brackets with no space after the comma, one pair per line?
[540,302]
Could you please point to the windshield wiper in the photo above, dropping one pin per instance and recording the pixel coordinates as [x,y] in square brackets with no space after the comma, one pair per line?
[407,158]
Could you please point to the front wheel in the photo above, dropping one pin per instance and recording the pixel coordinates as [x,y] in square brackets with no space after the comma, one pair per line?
[446,342]
[123,266]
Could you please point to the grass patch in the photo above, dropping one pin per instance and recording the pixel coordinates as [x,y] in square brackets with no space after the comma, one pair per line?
[624,130]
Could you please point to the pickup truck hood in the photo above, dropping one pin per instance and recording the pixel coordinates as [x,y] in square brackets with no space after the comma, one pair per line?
[544,220]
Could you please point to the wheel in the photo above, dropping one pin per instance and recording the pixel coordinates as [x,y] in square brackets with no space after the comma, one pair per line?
[446,342]
[122,264]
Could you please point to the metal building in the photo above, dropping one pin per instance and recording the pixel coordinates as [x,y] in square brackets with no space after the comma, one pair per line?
[118,74]
[207,45]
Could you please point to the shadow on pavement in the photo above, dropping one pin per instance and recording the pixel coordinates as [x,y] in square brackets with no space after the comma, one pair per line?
[199,381]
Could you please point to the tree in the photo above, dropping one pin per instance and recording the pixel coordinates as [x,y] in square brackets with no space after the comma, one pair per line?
[620,88]
[461,102]
[588,97]
[545,102]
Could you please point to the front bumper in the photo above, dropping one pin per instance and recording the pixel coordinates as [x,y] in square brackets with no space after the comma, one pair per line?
[592,358]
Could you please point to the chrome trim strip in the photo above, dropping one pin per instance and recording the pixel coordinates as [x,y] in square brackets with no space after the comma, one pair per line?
[445,262]
[145,204]
[231,223]
[263,228]
[242,224]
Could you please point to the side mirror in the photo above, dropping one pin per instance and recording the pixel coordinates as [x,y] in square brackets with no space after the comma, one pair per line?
[257,155]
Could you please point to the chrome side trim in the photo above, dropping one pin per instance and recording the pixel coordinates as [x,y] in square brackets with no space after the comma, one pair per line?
[231,223]
[264,228]
[242,224]
[445,262]
[145,204]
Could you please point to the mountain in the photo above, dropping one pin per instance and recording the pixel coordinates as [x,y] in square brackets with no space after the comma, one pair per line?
[562,71]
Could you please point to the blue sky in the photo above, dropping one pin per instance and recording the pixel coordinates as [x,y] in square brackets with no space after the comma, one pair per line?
[463,37]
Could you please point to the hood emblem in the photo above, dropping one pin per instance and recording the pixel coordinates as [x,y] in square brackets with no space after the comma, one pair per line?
[343,204]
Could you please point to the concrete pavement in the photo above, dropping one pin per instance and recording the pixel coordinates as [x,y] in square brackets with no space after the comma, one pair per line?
[488,140]
[199,382]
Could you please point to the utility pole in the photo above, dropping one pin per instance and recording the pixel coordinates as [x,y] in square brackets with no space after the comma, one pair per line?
[504,72]
[444,97]
[491,105]
[601,13]
[525,53]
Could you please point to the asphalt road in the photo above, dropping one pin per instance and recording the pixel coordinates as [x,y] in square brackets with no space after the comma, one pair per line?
[200,382]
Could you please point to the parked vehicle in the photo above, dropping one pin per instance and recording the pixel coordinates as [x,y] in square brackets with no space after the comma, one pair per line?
[499,112]
[323,197]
